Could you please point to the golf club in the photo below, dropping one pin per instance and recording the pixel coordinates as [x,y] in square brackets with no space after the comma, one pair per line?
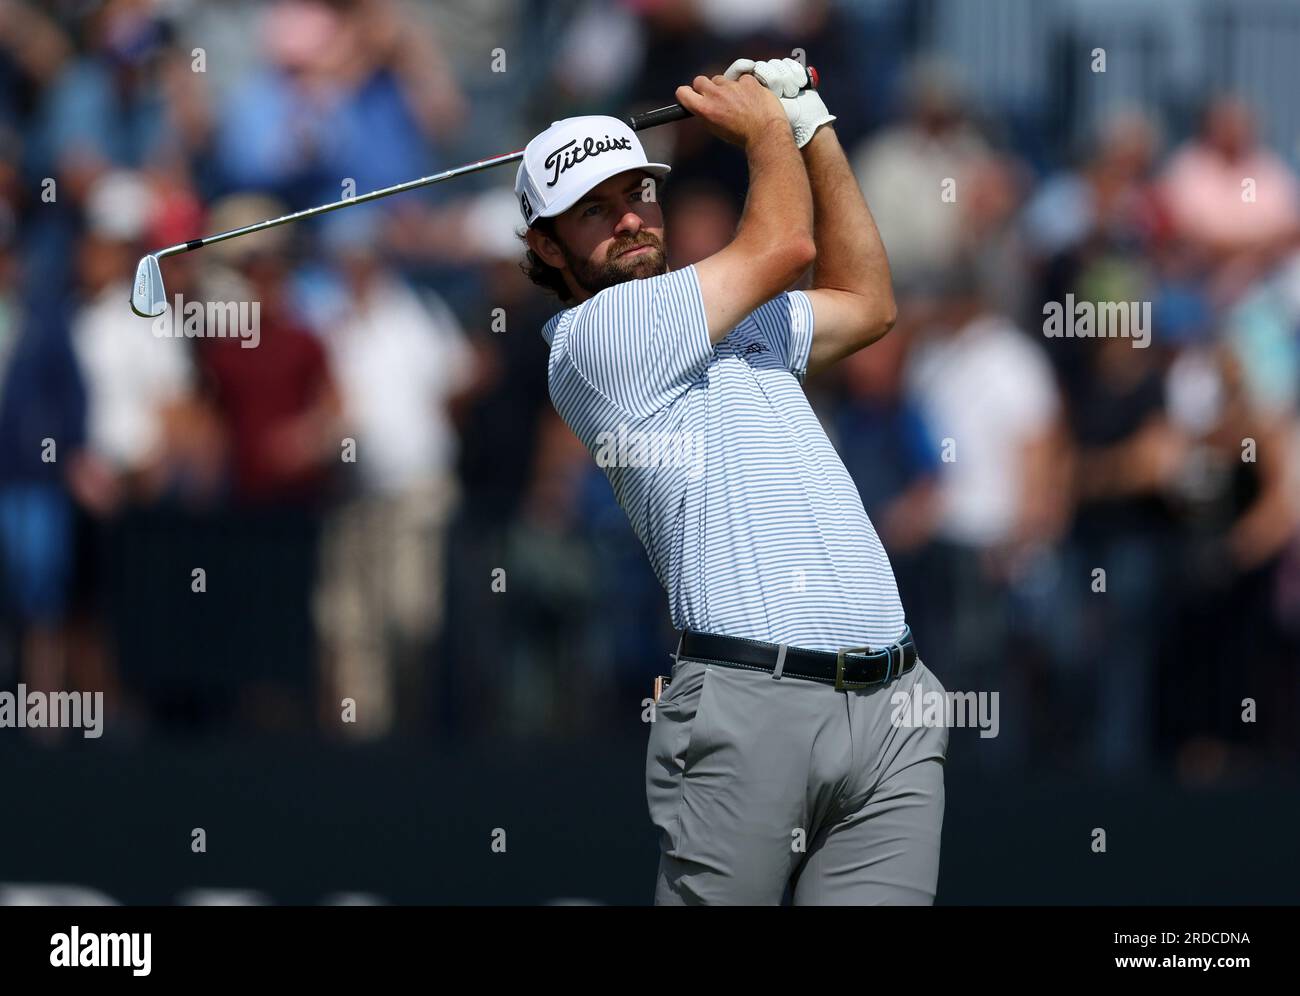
[149,298]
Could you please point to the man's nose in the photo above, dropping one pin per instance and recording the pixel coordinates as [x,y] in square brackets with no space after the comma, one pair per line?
[630,223]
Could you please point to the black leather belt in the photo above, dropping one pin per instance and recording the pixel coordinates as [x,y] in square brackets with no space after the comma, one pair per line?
[851,667]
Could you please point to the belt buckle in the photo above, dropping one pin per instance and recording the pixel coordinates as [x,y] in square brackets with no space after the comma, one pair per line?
[902,659]
[840,684]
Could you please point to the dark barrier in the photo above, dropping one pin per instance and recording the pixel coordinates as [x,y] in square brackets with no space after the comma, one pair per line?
[309,823]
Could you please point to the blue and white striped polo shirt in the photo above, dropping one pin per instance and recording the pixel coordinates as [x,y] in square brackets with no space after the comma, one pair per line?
[751,522]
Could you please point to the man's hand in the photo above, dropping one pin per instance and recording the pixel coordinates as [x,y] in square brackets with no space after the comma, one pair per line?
[736,111]
[805,109]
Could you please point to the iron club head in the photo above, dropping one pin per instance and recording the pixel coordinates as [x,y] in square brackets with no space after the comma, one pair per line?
[148,298]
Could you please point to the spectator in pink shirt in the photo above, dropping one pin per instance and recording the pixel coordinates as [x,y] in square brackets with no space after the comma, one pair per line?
[1227,193]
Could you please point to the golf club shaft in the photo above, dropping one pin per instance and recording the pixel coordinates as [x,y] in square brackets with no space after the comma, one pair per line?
[374,195]
[638,122]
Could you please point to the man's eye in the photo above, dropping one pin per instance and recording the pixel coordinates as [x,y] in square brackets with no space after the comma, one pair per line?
[591,211]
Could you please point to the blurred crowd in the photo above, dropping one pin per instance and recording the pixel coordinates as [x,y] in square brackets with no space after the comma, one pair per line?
[375,503]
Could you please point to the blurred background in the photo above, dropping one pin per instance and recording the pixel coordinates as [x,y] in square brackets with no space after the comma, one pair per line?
[385,506]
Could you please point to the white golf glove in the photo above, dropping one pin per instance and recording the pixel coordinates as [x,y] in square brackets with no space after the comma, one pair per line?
[786,78]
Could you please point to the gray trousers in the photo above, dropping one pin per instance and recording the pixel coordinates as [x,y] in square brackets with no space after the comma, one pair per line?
[768,791]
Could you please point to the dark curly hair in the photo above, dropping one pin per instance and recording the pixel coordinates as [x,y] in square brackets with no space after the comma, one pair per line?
[539,271]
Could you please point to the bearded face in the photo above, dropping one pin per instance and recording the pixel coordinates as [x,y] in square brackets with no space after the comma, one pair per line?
[632,258]
[614,234]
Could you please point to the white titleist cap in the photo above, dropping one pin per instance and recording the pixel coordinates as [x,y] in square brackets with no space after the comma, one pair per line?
[569,158]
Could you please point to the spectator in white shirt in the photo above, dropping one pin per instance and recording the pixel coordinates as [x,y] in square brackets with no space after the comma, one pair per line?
[987,395]
[400,359]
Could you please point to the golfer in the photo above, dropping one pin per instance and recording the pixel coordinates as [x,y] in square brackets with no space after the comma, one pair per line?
[777,769]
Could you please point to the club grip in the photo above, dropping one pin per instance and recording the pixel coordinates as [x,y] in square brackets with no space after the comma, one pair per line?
[659,116]
[676,112]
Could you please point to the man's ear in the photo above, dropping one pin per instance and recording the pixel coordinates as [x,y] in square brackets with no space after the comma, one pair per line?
[546,249]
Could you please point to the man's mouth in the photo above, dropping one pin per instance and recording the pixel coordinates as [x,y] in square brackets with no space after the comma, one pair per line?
[635,250]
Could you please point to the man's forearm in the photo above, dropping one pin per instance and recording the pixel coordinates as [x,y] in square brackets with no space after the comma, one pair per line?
[779,205]
[850,254]
[773,244]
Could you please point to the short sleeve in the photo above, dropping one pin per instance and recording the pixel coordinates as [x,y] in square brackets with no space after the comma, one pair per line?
[786,324]
[1029,387]
[451,362]
[642,343]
